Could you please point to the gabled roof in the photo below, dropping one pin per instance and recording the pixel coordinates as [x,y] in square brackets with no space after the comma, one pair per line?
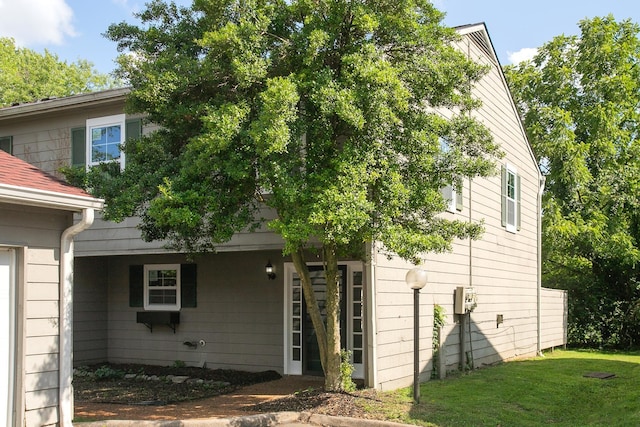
[24,184]
[479,35]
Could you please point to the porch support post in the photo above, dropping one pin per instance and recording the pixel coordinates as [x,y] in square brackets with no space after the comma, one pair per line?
[416,345]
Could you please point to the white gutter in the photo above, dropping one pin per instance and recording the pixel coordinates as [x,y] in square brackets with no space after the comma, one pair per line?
[46,199]
[66,316]
[539,284]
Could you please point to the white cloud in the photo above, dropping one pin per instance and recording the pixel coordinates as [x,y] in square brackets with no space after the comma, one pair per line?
[524,54]
[36,21]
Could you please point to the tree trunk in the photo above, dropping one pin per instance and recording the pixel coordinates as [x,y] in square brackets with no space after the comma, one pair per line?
[329,336]
[332,380]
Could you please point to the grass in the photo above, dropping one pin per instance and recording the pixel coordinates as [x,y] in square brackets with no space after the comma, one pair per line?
[550,390]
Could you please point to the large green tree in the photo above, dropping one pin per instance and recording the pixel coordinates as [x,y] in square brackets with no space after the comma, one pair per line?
[26,75]
[580,102]
[319,110]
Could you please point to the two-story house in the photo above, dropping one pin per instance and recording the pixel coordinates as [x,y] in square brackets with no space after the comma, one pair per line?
[139,302]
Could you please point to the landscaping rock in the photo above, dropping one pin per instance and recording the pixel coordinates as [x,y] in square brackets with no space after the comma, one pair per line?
[179,379]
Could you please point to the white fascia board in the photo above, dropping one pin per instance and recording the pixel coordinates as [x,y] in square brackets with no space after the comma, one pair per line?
[47,199]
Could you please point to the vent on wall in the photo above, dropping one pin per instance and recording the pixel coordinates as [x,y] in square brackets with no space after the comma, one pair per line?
[479,39]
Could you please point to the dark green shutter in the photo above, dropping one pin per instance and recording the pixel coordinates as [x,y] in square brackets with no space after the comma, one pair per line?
[78,147]
[136,286]
[6,144]
[504,195]
[188,279]
[133,129]
[518,215]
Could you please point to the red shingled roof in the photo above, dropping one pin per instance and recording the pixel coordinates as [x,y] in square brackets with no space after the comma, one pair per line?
[16,172]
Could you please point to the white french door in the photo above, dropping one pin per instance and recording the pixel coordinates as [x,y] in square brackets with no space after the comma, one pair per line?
[301,350]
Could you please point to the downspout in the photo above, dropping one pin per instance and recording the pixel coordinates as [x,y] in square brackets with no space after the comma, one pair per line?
[372,315]
[65,397]
[539,278]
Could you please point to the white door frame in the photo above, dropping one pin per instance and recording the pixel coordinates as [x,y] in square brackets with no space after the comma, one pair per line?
[294,367]
[7,334]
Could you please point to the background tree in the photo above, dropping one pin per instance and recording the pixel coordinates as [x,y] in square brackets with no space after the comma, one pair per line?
[579,99]
[26,75]
[317,110]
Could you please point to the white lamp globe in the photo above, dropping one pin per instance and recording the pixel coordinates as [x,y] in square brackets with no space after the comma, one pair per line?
[416,278]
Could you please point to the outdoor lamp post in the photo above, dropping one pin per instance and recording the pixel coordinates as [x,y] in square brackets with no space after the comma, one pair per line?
[416,279]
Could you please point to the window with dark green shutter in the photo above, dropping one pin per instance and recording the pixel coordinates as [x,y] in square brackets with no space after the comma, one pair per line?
[162,287]
[133,130]
[6,144]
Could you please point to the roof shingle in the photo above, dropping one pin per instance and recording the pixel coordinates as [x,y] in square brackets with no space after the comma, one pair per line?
[18,173]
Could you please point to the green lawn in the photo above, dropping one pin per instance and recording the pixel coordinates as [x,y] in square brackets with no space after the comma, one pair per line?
[543,391]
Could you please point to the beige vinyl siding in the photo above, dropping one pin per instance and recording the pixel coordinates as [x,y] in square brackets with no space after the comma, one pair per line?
[108,238]
[41,341]
[238,314]
[501,266]
[394,318]
[38,232]
[90,299]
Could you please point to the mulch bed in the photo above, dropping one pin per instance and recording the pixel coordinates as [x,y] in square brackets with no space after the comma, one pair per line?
[106,383]
[320,402]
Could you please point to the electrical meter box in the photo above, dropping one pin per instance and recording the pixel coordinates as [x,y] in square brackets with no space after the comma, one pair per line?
[466,300]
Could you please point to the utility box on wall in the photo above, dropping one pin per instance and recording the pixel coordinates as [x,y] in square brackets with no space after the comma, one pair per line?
[466,300]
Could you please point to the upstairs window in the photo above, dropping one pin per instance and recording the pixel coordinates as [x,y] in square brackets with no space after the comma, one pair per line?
[453,198]
[104,136]
[451,195]
[511,217]
[101,140]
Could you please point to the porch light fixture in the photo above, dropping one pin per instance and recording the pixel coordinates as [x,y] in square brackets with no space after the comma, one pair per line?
[270,270]
[416,279]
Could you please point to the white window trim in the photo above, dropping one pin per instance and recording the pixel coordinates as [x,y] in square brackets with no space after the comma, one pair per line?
[118,119]
[511,170]
[150,307]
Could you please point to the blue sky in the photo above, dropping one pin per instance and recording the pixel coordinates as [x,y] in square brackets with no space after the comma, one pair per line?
[72,28]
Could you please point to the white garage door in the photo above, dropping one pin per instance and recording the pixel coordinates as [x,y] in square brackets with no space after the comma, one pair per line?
[6,260]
